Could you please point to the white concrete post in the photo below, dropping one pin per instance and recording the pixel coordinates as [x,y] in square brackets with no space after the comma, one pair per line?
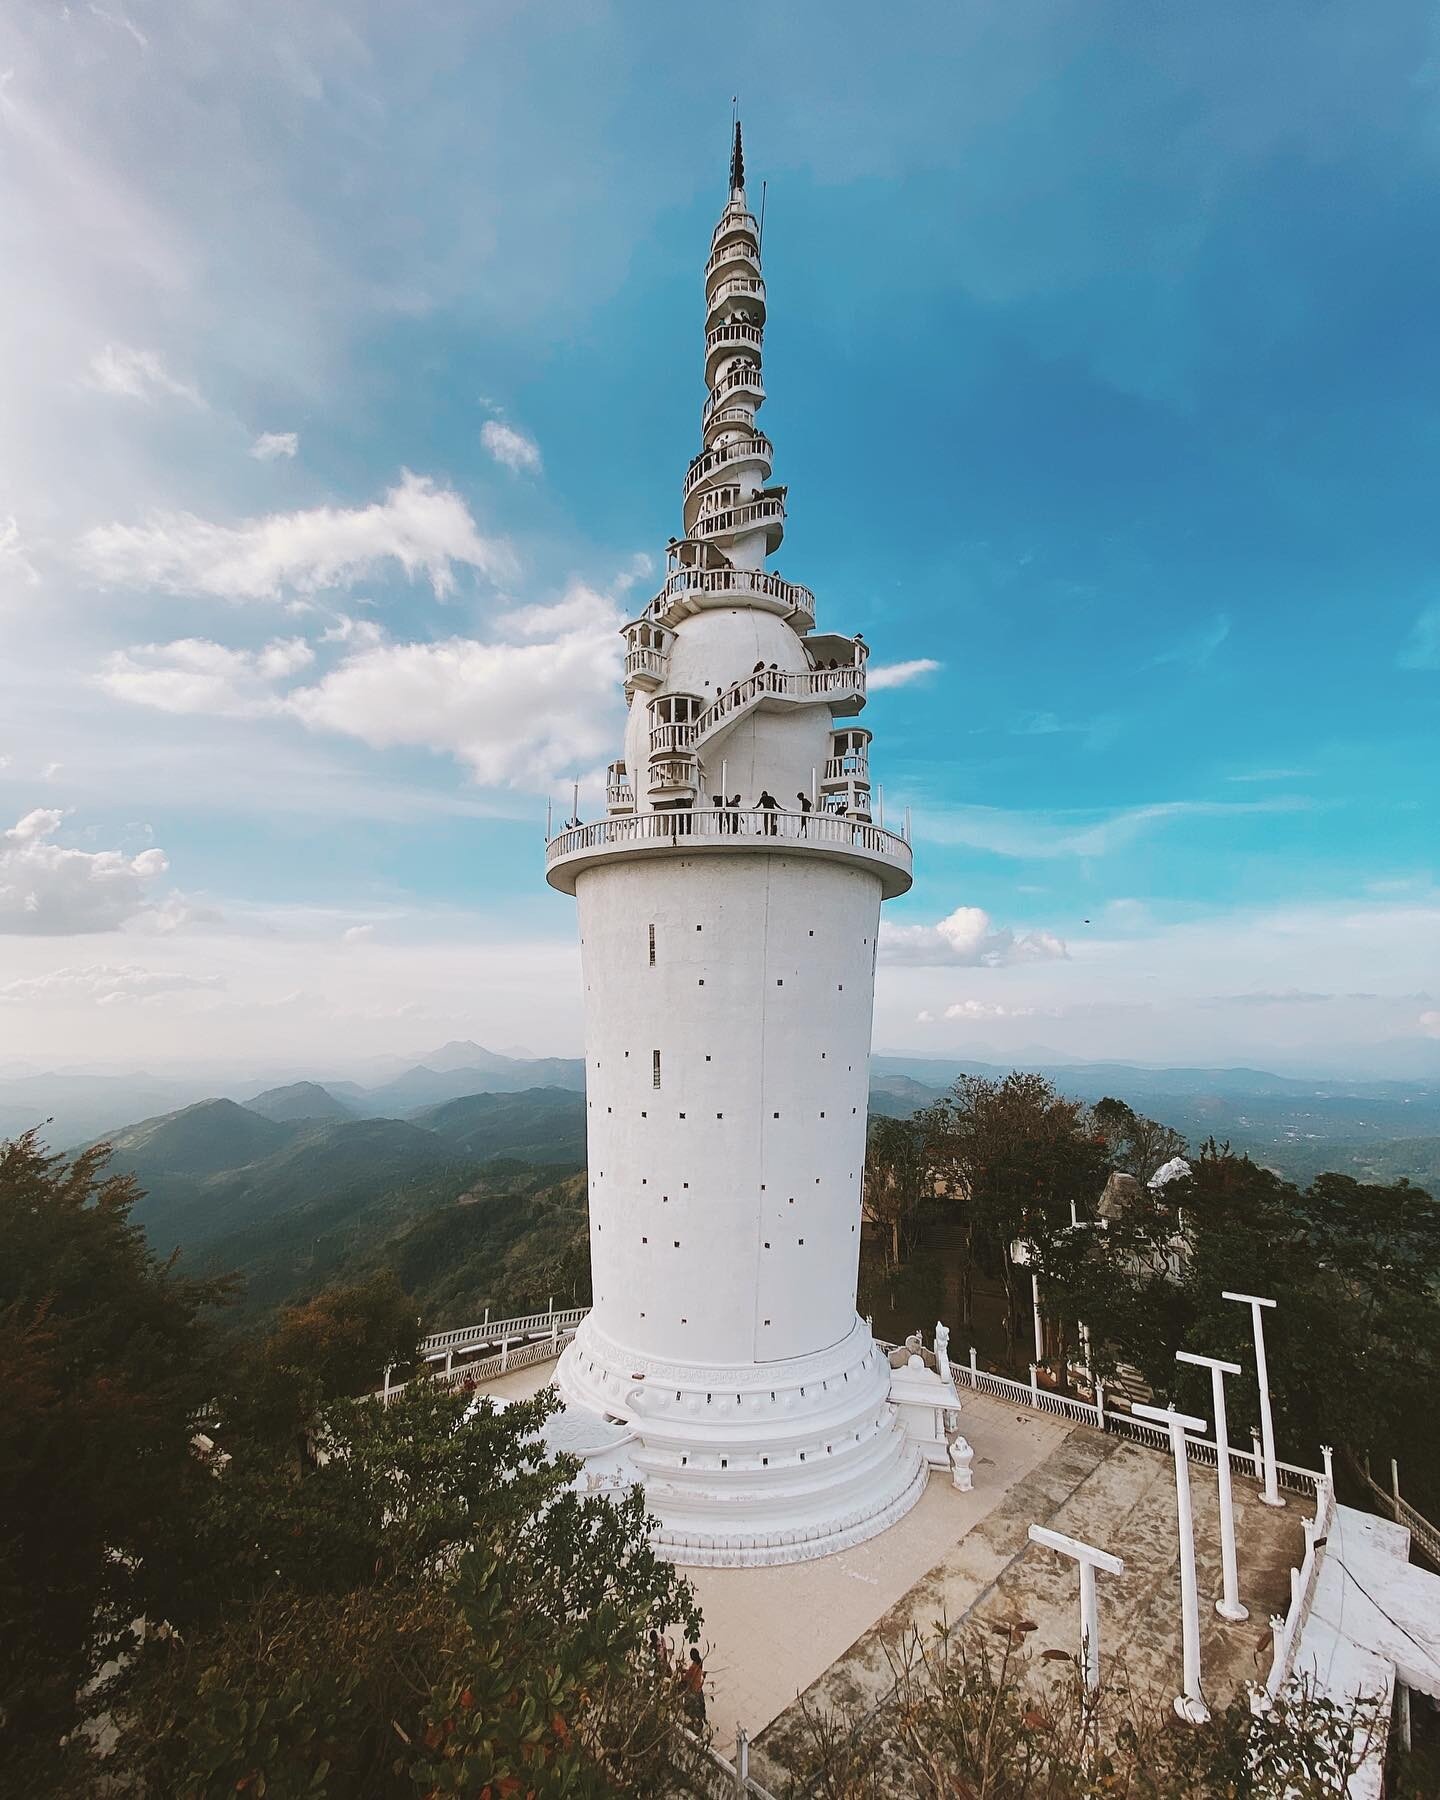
[1256,1455]
[1039,1324]
[1228,1606]
[1034,1385]
[449,1361]
[1189,1705]
[504,1354]
[1090,1559]
[1395,1484]
[742,1756]
[1099,1403]
[386,1394]
[1272,1495]
[974,1368]
[486,1325]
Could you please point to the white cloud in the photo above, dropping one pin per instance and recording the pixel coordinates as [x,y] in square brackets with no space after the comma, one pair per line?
[1421,650]
[425,528]
[106,984]
[46,889]
[986,1009]
[1430,1024]
[194,675]
[518,714]
[901,674]
[272,444]
[967,938]
[12,554]
[357,934]
[511,447]
[1034,834]
[136,375]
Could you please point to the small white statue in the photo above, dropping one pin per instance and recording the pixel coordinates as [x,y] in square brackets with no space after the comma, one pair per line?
[942,1350]
[962,1455]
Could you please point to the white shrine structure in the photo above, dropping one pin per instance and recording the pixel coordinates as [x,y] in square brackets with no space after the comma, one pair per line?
[729,905]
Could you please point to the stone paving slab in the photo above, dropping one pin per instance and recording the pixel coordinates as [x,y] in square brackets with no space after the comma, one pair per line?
[772,1633]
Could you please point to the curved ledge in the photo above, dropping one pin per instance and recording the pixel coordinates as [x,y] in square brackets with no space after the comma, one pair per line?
[716,831]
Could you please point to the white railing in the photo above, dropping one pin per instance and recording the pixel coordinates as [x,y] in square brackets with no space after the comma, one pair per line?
[645,662]
[722,824]
[851,767]
[741,518]
[1421,1530]
[739,251]
[732,221]
[731,415]
[1285,1631]
[804,687]
[746,376]
[492,1331]
[757,448]
[486,1368]
[740,332]
[747,287]
[757,584]
[668,773]
[619,794]
[1109,1418]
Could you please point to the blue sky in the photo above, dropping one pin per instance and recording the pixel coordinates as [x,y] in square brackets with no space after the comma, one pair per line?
[352,363]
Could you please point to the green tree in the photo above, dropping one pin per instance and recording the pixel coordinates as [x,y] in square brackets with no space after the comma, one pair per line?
[105,1362]
[1138,1146]
[897,1178]
[1013,1155]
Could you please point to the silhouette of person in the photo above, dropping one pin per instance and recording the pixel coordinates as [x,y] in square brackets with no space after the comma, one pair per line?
[768,804]
[804,800]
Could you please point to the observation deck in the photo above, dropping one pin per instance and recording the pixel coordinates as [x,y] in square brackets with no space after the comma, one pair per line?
[722,831]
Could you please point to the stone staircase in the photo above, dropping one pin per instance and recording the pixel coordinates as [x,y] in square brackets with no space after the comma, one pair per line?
[1115,1494]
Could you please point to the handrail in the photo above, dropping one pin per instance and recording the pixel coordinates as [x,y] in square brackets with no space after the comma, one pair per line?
[737,518]
[747,375]
[802,686]
[490,1330]
[731,252]
[752,449]
[736,581]
[645,662]
[853,765]
[734,331]
[752,287]
[813,830]
[1286,1631]
[1421,1530]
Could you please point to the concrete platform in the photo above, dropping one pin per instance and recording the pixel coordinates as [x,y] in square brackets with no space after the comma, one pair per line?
[1111,1493]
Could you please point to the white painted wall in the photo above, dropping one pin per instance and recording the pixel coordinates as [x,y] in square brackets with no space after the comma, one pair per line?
[725,1205]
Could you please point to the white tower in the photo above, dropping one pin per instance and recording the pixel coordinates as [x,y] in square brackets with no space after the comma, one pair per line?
[729,963]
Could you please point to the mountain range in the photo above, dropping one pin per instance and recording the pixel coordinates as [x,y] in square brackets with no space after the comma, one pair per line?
[459,1170]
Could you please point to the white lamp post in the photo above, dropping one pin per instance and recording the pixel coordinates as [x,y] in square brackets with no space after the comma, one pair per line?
[1272,1495]
[1090,1559]
[1228,1606]
[1189,1705]
[1039,1322]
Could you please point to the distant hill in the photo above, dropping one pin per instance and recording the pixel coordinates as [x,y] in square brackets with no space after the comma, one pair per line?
[199,1140]
[428,1086]
[539,1125]
[301,1100]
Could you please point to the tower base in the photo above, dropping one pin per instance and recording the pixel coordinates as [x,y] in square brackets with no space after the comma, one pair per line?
[759,1464]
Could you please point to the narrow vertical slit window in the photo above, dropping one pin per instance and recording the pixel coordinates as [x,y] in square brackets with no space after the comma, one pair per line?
[652,946]
[655,1067]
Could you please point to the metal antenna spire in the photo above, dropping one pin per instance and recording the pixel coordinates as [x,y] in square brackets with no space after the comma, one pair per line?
[737,161]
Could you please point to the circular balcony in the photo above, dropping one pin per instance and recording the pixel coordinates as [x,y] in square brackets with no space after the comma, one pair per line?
[644,668]
[735,219]
[754,448]
[744,378]
[742,290]
[719,831]
[736,254]
[765,514]
[730,340]
[689,591]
